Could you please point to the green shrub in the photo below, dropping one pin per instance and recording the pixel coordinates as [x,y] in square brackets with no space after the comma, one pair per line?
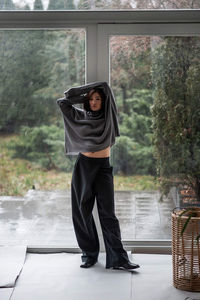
[131,158]
[176,112]
[43,145]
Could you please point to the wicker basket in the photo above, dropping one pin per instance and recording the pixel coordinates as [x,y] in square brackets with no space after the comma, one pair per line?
[186,251]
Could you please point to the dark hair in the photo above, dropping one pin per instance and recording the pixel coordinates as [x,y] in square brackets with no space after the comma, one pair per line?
[89,94]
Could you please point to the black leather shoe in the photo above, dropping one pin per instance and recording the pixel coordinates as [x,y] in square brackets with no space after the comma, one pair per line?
[126,266]
[88,264]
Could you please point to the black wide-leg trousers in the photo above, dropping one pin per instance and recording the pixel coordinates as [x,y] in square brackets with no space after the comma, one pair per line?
[92,179]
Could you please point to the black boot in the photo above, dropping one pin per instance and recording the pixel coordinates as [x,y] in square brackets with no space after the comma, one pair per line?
[125,266]
[88,263]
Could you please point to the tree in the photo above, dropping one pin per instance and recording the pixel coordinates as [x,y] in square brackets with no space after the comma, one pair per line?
[176,112]
[103,4]
[70,4]
[7,5]
[1,4]
[133,153]
[54,4]
[130,66]
[27,7]
[61,4]
[43,145]
[38,5]
[166,4]
[23,67]
[66,61]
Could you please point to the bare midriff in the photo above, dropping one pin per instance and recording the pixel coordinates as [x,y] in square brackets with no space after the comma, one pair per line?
[102,153]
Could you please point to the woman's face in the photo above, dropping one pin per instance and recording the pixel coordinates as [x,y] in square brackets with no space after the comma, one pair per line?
[95,101]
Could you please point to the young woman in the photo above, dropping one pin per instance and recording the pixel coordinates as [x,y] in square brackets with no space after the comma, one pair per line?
[90,133]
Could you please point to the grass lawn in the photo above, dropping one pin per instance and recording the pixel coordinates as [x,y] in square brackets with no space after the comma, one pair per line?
[18,176]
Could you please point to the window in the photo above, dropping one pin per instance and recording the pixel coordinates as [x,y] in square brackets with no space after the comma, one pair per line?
[37,66]
[141,70]
[101,52]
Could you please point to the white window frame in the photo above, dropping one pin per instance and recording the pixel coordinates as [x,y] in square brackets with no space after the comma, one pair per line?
[99,26]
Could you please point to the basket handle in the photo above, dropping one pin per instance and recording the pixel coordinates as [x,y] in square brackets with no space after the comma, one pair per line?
[177,207]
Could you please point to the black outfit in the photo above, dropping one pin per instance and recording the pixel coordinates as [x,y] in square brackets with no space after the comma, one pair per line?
[90,131]
[92,177]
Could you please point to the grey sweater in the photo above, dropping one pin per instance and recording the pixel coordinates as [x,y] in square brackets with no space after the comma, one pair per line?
[88,131]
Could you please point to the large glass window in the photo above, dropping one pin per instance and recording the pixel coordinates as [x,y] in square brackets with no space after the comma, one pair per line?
[95,5]
[146,71]
[36,67]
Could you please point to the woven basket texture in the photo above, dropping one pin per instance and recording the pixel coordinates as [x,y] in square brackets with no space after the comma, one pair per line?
[186,251]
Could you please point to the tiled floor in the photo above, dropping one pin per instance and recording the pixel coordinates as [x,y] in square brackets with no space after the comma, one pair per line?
[58,276]
[44,217]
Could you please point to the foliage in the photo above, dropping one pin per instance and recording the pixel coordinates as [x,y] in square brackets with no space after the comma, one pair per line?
[133,153]
[132,158]
[105,4]
[138,122]
[130,66]
[38,5]
[19,175]
[23,72]
[176,112]
[61,4]
[60,66]
[7,5]
[43,145]
[166,4]
[43,64]
[139,4]
[66,60]
[38,68]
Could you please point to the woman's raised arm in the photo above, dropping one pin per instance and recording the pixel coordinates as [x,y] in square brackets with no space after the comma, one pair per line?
[84,89]
[76,95]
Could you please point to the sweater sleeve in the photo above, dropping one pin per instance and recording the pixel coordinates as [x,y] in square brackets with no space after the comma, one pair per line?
[77,95]
[84,89]
[66,104]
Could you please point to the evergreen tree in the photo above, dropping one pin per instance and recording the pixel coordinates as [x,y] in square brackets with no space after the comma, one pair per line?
[1,4]
[80,59]
[38,5]
[166,4]
[61,4]
[135,142]
[176,112]
[70,4]
[130,66]
[8,5]
[27,7]
[103,4]
[23,73]
[56,5]
[67,67]
[43,145]
[71,59]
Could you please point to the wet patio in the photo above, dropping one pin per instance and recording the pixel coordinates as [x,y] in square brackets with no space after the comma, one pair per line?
[44,217]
